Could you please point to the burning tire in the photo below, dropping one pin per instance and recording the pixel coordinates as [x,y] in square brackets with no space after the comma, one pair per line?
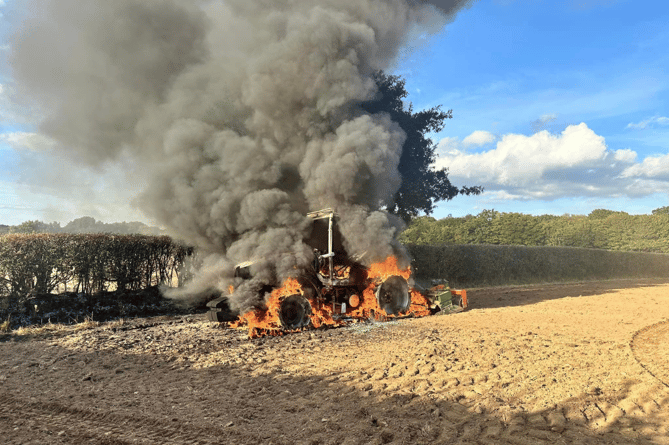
[393,295]
[295,312]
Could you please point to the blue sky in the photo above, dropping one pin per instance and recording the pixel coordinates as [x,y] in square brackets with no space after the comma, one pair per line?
[591,75]
[559,107]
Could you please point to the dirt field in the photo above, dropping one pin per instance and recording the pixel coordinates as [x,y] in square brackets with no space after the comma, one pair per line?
[578,363]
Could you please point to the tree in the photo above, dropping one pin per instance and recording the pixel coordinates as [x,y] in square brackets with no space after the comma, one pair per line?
[600,214]
[604,213]
[85,224]
[661,211]
[35,227]
[27,227]
[422,184]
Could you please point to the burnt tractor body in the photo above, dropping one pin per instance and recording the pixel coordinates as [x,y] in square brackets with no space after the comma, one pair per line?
[336,288]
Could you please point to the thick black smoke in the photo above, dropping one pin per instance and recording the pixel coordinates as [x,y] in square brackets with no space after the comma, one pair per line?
[242,112]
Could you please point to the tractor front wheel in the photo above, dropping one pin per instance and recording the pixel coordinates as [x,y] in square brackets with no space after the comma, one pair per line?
[295,312]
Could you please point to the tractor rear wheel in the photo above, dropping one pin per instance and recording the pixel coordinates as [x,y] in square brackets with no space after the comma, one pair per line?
[393,295]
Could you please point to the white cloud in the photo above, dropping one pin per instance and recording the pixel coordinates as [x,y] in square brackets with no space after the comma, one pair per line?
[478,139]
[546,166]
[503,195]
[519,159]
[651,167]
[548,118]
[545,122]
[25,140]
[625,155]
[659,120]
[449,146]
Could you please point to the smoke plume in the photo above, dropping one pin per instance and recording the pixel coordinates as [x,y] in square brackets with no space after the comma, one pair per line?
[243,113]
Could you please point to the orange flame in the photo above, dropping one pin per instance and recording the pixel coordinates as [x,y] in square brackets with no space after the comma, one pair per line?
[265,321]
[388,268]
[420,305]
[322,314]
[379,272]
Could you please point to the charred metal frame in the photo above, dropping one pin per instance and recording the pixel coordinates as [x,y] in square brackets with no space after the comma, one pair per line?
[329,214]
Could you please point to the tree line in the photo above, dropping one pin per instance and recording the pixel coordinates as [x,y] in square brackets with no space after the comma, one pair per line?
[85,224]
[601,229]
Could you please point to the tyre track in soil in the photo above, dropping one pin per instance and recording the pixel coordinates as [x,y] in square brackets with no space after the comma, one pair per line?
[471,393]
[548,371]
[622,410]
[650,346]
[60,423]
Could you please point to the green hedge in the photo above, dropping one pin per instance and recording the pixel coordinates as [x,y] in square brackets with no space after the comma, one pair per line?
[43,263]
[481,265]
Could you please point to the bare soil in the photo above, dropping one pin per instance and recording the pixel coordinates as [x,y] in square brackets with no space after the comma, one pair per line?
[580,363]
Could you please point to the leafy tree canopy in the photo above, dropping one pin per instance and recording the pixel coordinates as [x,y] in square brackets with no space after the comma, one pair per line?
[603,213]
[601,229]
[28,227]
[85,224]
[422,184]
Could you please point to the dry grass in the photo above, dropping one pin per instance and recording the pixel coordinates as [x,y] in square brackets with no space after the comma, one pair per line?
[5,325]
[40,330]
[88,323]
[50,329]
[116,323]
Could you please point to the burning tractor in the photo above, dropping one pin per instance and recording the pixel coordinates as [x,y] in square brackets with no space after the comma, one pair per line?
[336,289]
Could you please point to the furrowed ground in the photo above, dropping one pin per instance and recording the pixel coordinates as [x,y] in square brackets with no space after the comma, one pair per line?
[573,364]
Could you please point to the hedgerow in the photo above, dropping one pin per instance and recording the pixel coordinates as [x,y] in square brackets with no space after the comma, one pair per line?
[481,265]
[90,263]
[93,263]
